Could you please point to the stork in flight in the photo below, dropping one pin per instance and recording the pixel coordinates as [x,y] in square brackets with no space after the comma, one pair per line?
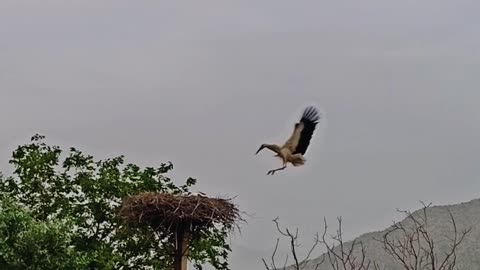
[295,147]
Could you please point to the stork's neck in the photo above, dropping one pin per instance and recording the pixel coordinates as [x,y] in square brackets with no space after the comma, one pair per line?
[275,148]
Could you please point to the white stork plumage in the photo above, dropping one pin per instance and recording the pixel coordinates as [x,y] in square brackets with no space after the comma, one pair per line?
[294,149]
[199,194]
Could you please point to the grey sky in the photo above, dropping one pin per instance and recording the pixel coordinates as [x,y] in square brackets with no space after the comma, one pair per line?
[203,84]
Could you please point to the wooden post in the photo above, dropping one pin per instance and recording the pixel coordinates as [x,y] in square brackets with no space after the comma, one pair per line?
[183,238]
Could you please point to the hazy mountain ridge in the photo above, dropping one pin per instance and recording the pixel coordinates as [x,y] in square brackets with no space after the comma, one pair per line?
[466,214]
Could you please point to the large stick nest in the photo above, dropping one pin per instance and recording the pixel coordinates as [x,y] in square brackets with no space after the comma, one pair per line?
[167,212]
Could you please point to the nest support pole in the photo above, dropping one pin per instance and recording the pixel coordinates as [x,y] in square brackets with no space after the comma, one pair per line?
[181,252]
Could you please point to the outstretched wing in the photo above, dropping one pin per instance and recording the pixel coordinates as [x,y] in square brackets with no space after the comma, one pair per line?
[292,142]
[309,122]
[302,133]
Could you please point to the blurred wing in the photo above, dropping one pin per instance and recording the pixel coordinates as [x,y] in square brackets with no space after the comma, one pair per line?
[292,142]
[309,122]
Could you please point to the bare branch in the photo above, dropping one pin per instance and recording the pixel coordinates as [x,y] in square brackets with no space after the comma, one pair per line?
[415,249]
[341,256]
[299,265]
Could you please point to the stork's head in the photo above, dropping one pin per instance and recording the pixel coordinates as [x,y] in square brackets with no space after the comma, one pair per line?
[260,149]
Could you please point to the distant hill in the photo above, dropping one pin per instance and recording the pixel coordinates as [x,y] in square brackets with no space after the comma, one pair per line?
[439,224]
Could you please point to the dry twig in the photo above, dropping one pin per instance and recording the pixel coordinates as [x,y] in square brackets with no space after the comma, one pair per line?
[413,246]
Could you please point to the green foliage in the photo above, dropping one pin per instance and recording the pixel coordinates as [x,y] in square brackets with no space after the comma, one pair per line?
[88,193]
[26,243]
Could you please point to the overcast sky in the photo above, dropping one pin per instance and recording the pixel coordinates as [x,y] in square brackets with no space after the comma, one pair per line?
[204,83]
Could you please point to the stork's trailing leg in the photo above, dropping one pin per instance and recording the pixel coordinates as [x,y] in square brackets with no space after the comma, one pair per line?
[279,169]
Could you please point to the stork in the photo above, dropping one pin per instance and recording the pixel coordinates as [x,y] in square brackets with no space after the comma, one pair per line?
[199,194]
[294,149]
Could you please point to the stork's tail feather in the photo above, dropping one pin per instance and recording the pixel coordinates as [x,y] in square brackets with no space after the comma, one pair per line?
[298,160]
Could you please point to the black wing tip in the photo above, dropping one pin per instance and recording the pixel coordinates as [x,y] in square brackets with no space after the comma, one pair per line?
[311,114]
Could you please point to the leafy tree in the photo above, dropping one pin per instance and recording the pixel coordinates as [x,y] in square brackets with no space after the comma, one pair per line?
[26,243]
[88,193]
